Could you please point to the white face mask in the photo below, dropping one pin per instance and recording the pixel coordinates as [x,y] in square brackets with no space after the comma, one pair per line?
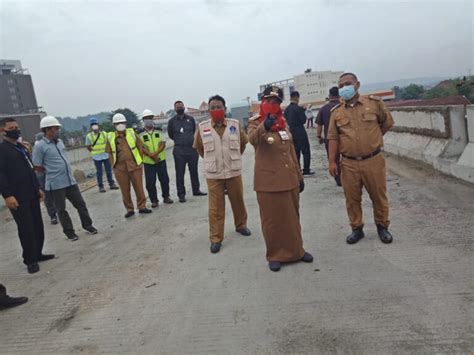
[95,127]
[121,127]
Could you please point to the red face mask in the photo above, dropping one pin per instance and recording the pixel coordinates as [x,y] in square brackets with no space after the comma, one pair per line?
[270,107]
[217,115]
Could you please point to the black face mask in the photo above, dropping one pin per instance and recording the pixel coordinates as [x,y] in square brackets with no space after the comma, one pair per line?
[180,111]
[15,134]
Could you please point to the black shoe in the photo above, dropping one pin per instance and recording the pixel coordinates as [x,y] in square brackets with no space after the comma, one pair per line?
[154,204]
[129,214]
[384,235]
[244,231]
[72,237]
[91,230]
[182,199]
[199,193]
[308,173]
[44,257]
[10,302]
[355,236]
[167,200]
[215,247]
[32,268]
[274,265]
[54,220]
[114,187]
[101,189]
[307,258]
[145,210]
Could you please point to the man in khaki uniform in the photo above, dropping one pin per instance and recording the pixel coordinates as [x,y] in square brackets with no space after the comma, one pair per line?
[356,130]
[126,157]
[221,142]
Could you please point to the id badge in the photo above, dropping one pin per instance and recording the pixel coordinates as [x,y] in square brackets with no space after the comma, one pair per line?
[284,136]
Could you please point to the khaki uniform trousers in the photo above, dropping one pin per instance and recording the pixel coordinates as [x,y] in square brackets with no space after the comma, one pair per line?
[369,173]
[135,178]
[235,192]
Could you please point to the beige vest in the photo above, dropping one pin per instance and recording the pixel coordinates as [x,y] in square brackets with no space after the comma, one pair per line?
[222,157]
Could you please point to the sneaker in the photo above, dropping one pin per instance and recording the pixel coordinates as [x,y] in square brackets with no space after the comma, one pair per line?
[54,220]
[10,302]
[167,200]
[114,187]
[91,230]
[72,237]
[154,204]
[102,189]
[308,173]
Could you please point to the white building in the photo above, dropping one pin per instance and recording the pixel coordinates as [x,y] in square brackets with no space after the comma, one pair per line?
[312,85]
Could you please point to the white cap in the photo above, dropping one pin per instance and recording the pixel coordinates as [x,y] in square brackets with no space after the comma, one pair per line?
[147,113]
[49,121]
[118,118]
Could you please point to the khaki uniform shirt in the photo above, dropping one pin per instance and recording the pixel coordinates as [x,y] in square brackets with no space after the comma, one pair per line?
[358,127]
[276,167]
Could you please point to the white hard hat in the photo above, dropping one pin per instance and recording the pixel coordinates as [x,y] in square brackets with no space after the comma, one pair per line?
[118,118]
[147,113]
[49,121]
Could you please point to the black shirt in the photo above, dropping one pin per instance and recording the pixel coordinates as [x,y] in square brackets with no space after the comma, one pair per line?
[181,131]
[17,176]
[296,118]
[324,115]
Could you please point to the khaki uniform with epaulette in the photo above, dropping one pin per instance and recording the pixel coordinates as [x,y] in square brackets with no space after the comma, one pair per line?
[359,130]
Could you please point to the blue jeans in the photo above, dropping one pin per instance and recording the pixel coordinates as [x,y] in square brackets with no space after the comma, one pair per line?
[108,171]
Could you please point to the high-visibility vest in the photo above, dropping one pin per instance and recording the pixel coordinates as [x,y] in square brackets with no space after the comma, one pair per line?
[99,146]
[152,141]
[131,140]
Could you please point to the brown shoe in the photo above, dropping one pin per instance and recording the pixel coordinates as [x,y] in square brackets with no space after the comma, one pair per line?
[167,200]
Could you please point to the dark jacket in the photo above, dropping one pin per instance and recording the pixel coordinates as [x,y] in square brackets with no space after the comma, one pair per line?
[181,131]
[17,176]
[324,115]
[296,118]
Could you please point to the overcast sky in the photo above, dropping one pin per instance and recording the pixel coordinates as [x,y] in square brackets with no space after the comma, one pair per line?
[91,56]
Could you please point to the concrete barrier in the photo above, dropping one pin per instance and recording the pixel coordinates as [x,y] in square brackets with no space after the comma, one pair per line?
[436,135]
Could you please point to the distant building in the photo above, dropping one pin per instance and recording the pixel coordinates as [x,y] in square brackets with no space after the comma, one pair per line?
[18,99]
[16,89]
[313,86]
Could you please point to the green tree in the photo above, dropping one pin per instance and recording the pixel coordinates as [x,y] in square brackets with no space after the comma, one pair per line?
[129,115]
[411,92]
[107,126]
[437,92]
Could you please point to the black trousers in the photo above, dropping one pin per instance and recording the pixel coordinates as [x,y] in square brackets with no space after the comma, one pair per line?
[30,229]
[302,146]
[181,158]
[3,292]
[73,194]
[151,171]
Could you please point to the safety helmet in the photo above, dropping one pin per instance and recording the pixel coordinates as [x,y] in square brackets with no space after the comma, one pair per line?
[147,113]
[49,121]
[118,118]
[93,120]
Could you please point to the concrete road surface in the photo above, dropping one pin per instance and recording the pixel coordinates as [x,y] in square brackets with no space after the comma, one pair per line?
[150,285]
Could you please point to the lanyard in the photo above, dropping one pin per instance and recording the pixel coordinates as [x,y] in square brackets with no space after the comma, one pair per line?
[25,155]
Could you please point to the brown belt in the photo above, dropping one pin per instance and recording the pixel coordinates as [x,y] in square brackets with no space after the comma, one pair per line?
[373,154]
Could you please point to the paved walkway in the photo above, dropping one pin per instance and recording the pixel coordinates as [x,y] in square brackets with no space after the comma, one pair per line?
[150,285]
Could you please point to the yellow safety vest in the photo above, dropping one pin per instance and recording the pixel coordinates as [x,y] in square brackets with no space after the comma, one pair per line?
[152,141]
[99,146]
[131,140]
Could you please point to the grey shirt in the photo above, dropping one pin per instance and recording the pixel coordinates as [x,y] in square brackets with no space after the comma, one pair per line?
[52,157]
[181,131]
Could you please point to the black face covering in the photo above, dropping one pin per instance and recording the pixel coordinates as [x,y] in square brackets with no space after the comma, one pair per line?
[180,111]
[15,134]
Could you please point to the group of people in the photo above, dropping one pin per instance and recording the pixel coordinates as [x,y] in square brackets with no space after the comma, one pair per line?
[354,126]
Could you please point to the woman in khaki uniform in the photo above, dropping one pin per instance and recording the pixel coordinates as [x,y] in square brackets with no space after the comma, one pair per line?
[277,181]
